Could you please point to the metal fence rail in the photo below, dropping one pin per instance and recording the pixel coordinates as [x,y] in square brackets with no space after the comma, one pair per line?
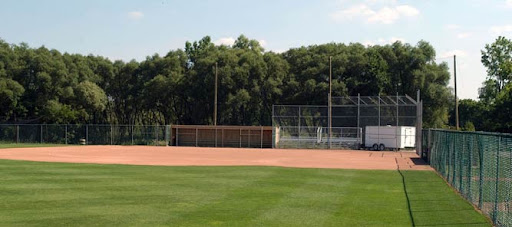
[88,134]
[478,165]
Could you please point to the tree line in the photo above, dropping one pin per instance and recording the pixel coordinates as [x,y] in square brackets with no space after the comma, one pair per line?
[493,109]
[41,85]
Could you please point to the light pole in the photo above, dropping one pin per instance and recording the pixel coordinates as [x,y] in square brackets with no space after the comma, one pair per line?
[215,101]
[330,102]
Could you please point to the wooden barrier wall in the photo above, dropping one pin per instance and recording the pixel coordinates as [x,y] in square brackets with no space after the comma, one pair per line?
[221,136]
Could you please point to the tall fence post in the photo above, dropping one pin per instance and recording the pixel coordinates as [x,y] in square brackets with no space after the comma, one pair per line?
[360,131]
[156,135]
[299,126]
[131,133]
[17,133]
[419,122]
[378,128]
[495,213]
[196,136]
[359,135]
[41,133]
[87,134]
[453,158]
[273,128]
[460,151]
[66,132]
[429,145]
[240,137]
[469,165]
[396,129]
[447,156]
[340,137]
[481,177]
[249,134]
[168,135]
[261,137]
[111,135]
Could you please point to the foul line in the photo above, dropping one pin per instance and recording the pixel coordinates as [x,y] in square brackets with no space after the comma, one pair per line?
[406,194]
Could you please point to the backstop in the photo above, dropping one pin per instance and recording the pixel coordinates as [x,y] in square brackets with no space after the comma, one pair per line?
[356,121]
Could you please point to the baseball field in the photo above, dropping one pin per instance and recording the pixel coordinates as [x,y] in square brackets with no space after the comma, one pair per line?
[180,186]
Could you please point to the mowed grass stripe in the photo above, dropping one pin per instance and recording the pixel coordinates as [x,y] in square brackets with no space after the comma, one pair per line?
[245,202]
[112,187]
[311,203]
[181,189]
[322,201]
[38,193]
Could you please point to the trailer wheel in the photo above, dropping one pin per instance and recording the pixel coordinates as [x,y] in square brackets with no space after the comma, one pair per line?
[382,147]
[375,147]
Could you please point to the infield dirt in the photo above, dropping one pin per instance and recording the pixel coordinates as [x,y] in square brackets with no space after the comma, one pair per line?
[201,156]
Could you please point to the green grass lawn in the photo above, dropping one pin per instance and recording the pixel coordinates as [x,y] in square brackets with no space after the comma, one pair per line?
[16,145]
[56,194]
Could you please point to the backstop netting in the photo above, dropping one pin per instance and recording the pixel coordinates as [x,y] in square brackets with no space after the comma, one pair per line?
[355,120]
[478,165]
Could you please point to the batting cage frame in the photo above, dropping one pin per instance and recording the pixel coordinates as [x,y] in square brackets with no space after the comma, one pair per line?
[352,122]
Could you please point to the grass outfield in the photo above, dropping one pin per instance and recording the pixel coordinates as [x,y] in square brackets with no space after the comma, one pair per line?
[19,145]
[56,194]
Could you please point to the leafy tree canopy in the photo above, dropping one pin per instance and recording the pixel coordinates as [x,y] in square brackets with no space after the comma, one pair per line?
[44,85]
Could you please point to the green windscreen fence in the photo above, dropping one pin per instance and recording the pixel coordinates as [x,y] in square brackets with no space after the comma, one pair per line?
[478,165]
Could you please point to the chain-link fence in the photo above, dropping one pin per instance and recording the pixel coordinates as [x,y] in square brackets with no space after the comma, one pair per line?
[317,137]
[85,134]
[377,122]
[478,165]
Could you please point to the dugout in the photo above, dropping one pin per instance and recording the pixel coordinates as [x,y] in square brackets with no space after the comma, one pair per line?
[221,136]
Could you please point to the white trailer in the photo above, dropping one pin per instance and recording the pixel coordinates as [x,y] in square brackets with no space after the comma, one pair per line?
[394,137]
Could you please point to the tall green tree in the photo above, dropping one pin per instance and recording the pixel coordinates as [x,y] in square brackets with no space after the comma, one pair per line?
[44,85]
[497,58]
[495,94]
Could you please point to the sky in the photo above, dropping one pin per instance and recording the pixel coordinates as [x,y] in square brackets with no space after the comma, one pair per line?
[135,29]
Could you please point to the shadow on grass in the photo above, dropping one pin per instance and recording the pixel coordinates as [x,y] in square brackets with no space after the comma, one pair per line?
[433,203]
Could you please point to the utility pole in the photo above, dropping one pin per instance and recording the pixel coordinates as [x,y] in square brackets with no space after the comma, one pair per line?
[215,102]
[330,102]
[456,99]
